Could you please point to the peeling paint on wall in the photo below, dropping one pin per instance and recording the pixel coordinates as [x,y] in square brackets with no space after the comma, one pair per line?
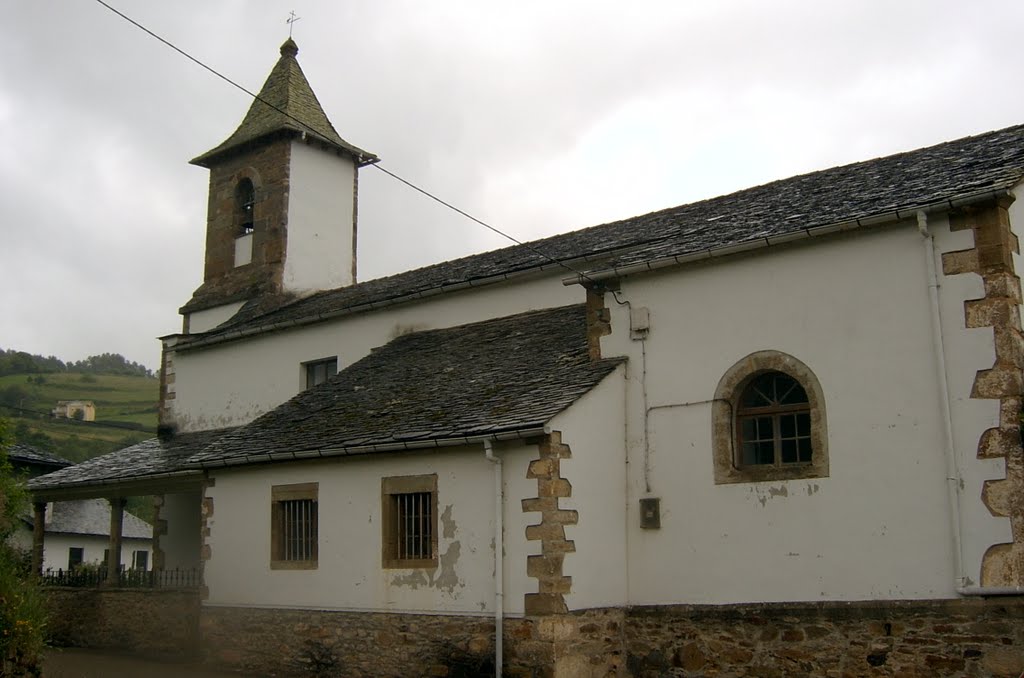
[443,577]
[448,527]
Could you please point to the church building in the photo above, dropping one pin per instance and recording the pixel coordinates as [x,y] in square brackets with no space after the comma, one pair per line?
[775,432]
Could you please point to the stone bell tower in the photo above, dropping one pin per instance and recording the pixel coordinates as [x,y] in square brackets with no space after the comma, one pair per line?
[281,220]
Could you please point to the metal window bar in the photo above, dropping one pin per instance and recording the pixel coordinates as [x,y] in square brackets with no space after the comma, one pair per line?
[414,526]
[299,526]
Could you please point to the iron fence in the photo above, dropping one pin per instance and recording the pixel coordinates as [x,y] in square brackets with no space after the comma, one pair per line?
[86,577]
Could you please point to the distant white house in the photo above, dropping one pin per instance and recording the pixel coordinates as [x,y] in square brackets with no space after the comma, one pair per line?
[83,410]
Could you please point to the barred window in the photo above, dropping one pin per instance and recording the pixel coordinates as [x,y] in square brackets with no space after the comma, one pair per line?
[409,520]
[293,527]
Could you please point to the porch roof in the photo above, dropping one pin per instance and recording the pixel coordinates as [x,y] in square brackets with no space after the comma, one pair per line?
[152,466]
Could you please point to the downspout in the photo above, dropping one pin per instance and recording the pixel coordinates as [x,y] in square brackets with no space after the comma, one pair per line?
[499,548]
[953,479]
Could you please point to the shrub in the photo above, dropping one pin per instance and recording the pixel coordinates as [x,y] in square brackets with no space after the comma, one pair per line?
[22,611]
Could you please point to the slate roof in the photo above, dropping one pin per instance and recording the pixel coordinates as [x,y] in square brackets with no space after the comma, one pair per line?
[92,516]
[492,378]
[150,458]
[286,89]
[32,455]
[899,183]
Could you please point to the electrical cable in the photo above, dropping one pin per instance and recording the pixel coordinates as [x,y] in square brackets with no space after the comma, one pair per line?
[257,97]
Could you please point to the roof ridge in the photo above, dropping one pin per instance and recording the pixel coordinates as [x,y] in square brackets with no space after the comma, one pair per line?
[951,169]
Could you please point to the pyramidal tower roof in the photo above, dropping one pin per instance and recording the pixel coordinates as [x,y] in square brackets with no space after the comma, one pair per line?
[286,103]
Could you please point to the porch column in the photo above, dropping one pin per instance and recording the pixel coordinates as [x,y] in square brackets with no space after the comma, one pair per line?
[114,560]
[38,535]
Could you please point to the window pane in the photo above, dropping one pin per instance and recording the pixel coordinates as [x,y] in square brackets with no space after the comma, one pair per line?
[803,424]
[790,391]
[748,428]
[789,455]
[765,452]
[787,426]
[765,428]
[805,449]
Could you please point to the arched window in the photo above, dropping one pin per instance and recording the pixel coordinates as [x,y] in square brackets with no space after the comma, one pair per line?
[768,421]
[773,422]
[245,206]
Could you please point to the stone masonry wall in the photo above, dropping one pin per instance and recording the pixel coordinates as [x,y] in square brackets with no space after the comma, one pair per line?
[353,644]
[163,623]
[925,639]
[991,258]
[546,568]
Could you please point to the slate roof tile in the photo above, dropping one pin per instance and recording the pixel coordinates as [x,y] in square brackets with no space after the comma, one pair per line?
[151,457]
[92,516]
[33,455]
[991,161]
[287,90]
[502,375]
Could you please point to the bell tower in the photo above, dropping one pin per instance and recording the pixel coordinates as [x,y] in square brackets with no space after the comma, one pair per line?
[281,220]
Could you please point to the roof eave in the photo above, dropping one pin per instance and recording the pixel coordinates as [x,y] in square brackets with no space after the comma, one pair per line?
[156,483]
[227,148]
[531,430]
[889,217]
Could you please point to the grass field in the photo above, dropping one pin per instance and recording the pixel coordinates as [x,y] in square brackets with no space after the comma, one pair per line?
[117,399]
[126,411]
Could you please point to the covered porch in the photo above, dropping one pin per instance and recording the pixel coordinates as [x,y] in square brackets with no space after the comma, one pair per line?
[151,468]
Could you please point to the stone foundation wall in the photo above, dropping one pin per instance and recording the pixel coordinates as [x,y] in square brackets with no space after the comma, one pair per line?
[152,623]
[830,640]
[355,644]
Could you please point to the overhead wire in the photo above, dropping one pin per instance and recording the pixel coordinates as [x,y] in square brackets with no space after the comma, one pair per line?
[423,191]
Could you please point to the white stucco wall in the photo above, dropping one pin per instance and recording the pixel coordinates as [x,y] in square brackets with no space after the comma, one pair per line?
[855,310]
[320,212]
[349,575]
[234,383]
[594,428]
[182,541]
[203,321]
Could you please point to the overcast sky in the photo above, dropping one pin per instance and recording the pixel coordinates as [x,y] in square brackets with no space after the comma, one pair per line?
[537,116]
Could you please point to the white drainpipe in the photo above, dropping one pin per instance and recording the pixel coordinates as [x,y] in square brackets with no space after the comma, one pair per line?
[499,548]
[953,479]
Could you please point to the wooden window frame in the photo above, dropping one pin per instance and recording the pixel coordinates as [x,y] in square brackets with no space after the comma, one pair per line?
[775,412]
[287,493]
[309,365]
[391,488]
[725,422]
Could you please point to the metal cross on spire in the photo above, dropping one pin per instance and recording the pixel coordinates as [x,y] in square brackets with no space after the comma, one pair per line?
[291,21]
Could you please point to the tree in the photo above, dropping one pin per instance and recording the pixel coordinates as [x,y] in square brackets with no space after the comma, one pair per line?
[22,611]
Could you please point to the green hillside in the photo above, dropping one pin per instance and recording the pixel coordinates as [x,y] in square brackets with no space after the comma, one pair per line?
[126,411]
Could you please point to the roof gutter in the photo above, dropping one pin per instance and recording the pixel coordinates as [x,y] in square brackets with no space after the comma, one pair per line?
[803,234]
[532,431]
